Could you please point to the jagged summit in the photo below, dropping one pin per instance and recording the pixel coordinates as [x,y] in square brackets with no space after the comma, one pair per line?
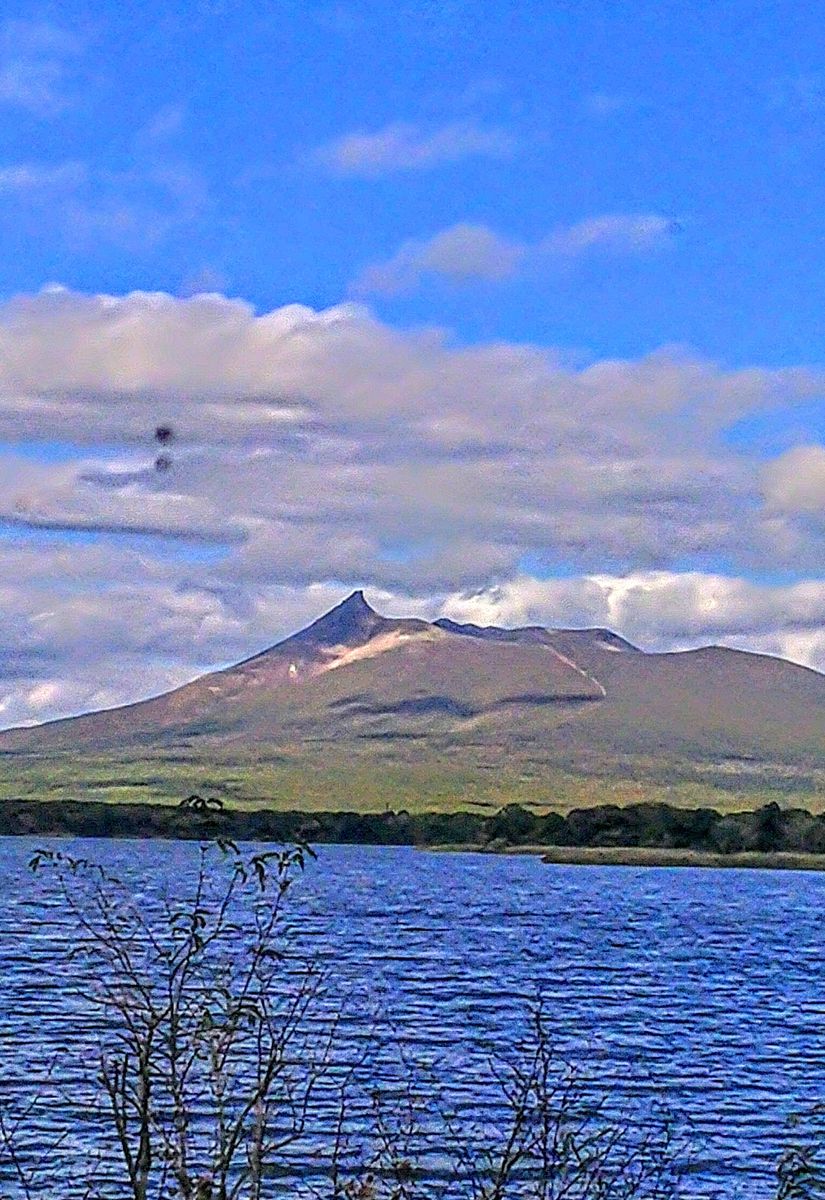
[351,630]
[355,602]
[347,623]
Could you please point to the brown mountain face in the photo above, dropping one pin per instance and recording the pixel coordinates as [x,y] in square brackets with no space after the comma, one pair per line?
[356,683]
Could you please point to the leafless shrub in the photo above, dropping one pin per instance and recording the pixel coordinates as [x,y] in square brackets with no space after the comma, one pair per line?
[558,1138]
[801,1169]
[204,1070]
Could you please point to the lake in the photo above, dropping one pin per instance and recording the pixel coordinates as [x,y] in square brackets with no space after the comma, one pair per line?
[706,987]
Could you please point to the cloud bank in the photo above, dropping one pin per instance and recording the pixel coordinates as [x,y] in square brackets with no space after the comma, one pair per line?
[312,451]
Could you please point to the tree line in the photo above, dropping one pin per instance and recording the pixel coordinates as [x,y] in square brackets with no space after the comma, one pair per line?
[646,825]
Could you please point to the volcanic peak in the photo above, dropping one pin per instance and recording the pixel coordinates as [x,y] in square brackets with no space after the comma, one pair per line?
[350,622]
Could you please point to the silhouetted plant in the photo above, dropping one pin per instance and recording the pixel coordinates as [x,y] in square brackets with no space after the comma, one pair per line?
[559,1137]
[200,1044]
[801,1169]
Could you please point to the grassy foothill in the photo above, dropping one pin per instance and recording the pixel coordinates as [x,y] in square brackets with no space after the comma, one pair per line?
[296,782]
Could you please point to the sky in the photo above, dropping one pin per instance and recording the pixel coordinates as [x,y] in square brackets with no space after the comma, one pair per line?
[510,313]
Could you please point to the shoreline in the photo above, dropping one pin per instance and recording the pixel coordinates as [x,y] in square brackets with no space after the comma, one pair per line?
[649,856]
[638,836]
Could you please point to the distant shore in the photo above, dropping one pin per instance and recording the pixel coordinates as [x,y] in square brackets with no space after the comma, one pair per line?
[648,856]
[655,835]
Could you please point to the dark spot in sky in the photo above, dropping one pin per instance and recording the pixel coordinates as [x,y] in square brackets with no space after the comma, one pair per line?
[164,434]
[163,462]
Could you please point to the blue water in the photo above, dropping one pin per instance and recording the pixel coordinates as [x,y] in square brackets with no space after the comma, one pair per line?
[704,987]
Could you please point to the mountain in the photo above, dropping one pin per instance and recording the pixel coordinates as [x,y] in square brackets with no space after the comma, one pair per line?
[357,691]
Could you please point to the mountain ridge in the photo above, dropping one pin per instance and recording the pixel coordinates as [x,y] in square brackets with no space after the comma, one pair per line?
[476,702]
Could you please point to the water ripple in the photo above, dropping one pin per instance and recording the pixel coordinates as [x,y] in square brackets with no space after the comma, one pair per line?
[703,986]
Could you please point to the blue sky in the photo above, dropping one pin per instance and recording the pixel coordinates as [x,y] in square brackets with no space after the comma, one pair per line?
[613,212]
[711,115]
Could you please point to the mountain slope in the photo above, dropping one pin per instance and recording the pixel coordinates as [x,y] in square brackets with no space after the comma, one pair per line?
[351,661]
[358,687]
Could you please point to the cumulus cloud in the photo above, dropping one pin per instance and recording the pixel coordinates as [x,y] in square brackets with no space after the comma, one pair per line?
[661,610]
[405,146]
[664,611]
[462,253]
[310,452]
[331,419]
[467,252]
[93,626]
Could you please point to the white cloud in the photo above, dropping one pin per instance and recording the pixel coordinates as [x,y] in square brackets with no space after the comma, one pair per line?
[795,482]
[467,252]
[462,253]
[663,610]
[405,146]
[615,233]
[92,626]
[315,451]
[133,626]
[331,417]
[35,66]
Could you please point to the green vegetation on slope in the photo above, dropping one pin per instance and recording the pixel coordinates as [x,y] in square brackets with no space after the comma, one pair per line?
[307,781]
